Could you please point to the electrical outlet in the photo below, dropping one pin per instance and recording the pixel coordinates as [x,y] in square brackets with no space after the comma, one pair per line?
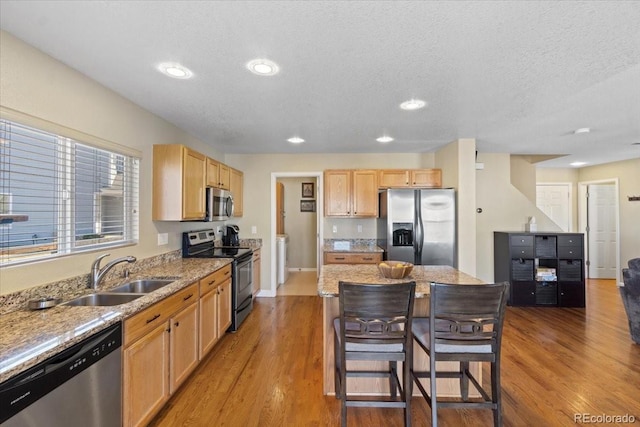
[254,229]
[218,229]
[335,228]
[163,239]
[359,228]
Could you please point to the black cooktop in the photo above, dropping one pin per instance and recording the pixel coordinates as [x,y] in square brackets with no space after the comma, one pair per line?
[222,252]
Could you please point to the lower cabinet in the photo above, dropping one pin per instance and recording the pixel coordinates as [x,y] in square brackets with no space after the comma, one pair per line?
[215,308]
[160,351]
[352,257]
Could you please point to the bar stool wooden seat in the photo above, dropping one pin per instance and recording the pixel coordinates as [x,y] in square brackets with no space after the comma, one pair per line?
[375,325]
[467,323]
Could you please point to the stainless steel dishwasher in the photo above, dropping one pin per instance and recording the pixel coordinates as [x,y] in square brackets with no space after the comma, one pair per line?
[80,386]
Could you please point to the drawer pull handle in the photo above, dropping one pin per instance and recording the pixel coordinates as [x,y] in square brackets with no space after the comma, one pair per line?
[212,282]
[153,318]
[341,258]
[367,258]
[187,297]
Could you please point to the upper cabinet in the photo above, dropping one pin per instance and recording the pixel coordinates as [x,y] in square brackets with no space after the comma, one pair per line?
[236,187]
[179,175]
[403,178]
[351,193]
[218,174]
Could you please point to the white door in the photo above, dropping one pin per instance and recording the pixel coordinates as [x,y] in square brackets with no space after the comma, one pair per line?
[554,200]
[602,240]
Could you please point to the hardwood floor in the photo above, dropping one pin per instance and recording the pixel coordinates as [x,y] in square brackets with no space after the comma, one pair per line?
[556,362]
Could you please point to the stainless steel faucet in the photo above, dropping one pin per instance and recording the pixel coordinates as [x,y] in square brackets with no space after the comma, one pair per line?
[98,273]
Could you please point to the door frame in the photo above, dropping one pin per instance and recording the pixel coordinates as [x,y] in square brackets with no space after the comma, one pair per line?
[272,291]
[570,202]
[583,219]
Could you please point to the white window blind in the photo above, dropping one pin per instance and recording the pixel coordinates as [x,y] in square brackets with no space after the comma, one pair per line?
[66,196]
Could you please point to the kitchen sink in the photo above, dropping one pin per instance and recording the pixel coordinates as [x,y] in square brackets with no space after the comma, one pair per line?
[142,286]
[102,299]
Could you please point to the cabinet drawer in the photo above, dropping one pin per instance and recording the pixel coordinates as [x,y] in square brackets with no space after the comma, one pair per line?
[569,241]
[570,252]
[352,258]
[522,252]
[521,241]
[215,279]
[148,319]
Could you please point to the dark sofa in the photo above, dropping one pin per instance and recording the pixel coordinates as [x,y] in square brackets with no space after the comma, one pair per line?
[630,293]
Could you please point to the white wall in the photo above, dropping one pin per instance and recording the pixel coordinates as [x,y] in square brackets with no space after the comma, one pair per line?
[36,84]
[504,208]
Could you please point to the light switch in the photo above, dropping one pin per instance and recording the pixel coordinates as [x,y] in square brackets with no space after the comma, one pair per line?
[335,228]
[254,229]
[359,228]
[163,239]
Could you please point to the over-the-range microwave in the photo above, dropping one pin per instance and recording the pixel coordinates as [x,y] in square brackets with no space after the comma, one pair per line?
[219,205]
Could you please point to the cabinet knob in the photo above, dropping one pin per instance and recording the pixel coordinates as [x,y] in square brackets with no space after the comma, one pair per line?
[177,324]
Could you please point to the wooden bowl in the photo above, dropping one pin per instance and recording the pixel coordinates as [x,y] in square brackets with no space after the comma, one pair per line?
[395,269]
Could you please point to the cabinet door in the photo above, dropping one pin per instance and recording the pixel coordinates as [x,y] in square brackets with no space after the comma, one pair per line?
[365,193]
[337,193]
[193,203]
[213,173]
[256,271]
[426,178]
[225,176]
[571,294]
[146,379]
[236,188]
[208,322]
[523,293]
[183,345]
[224,307]
[393,178]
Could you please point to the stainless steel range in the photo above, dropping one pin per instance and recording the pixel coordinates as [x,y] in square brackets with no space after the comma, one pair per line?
[200,244]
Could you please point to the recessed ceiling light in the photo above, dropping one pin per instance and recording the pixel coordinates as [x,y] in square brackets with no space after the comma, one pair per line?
[295,140]
[582,130]
[384,139]
[175,70]
[576,164]
[413,104]
[263,67]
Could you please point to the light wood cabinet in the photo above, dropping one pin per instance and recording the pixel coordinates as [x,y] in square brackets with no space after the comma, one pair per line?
[179,177]
[224,307]
[183,345]
[160,350]
[352,257]
[237,191]
[215,312]
[256,271]
[218,174]
[351,193]
[403,178]
[146,379]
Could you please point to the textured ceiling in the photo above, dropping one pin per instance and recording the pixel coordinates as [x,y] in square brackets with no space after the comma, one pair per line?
[517,76]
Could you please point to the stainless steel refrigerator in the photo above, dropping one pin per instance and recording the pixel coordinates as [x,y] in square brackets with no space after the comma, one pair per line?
[418,226]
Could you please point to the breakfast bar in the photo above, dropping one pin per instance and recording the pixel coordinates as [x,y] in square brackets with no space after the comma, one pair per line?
[423,275]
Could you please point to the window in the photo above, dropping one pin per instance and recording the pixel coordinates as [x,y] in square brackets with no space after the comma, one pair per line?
[62,196]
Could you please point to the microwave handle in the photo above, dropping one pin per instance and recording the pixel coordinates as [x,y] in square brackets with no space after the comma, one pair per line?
[229,206]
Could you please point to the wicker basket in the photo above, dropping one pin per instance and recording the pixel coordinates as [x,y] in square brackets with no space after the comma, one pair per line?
[395,269]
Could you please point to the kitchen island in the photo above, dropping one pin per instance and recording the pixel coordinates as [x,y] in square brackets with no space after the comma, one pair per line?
[423,275]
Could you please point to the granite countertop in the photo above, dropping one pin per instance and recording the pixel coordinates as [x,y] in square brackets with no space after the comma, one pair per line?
[423,275]
[29,337]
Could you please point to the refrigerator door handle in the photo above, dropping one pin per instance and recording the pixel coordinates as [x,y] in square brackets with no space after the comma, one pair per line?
[419,227]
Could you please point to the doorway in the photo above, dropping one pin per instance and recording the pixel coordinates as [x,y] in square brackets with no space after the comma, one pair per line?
[296,201]
[599,221]
[554,199]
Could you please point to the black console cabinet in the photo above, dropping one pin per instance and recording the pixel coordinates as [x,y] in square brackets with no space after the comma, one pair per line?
[544,269]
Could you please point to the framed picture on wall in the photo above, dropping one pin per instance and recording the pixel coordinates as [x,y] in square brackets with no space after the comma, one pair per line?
[307,205]
[308,189]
